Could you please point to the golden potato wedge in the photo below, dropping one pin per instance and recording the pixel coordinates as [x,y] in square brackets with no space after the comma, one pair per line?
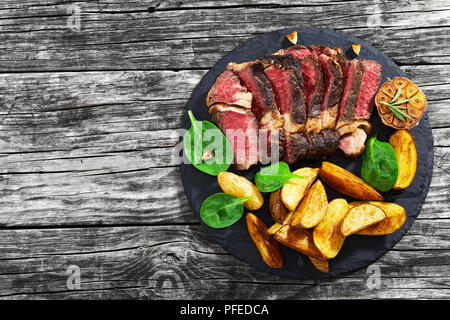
[294,190]
[326,234]
[312,208]
[395,218]
[347,183]
[298,239]
[240,187]
[360,217]
[276,207]
[405,150]
[266,245]
[320,264]
[274,228]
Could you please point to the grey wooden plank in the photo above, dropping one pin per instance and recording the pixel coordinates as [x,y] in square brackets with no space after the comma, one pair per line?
[126,36]
[170,262]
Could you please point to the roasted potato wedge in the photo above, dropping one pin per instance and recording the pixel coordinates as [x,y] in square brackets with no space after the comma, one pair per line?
[274,228]
[240,187]
[266,245]
[405,150]
[320,264]
[298,239]
[312,208]
[395,218]
[326,234]
[347,183]
[277,208]
[294,190]
[360,217]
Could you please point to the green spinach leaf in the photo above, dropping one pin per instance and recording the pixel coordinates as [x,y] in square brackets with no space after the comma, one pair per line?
[273,177]
[222,210]
[206,147]
[380,166]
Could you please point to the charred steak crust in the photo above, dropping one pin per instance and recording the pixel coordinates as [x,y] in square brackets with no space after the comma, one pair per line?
[331,140]
[297,98]
[295,147]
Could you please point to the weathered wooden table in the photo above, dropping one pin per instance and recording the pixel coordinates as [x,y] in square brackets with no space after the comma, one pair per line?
[91,201]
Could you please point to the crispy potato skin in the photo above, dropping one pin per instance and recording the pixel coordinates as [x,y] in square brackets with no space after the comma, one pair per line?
[274,228]
[294,190]
[240,187]
[395,219]
[347,183]
[405,150]
[312,208]
[298,239]
[320,264]
[327,236]
[266,245]
[360,217]
[276,206]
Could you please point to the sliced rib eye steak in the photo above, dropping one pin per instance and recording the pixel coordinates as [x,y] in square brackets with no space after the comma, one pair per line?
[240,127]
[353,72]
[335,53]
[228,89]
[333,88]
[285,78]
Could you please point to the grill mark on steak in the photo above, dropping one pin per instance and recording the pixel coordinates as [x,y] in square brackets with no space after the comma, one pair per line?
[228,89]
[240,127]
[285,78]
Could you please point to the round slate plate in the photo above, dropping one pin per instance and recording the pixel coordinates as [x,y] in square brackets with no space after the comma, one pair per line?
[358,251]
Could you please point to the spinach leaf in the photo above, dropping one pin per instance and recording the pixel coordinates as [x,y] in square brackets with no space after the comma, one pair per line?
[380,166]
[222,210]
[273,177]
[206,147]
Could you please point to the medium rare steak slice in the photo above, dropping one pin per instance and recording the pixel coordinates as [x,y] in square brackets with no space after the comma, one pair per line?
[352,71]
[369,87]
[285,78]
[228,89]
[253,77]
[312,83]
[333,88]
[240,127]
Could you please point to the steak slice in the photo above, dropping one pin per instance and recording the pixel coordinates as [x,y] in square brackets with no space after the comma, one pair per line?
[240,127]
[228,89]
[333,88]
[370,84]
[285,78]
[331,140]
[295,146]
[352,71]
[253,77]
[312,83]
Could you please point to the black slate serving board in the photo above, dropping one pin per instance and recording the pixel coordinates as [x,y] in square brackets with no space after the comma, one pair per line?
[357,251]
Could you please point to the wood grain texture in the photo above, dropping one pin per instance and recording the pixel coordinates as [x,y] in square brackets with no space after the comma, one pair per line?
[89,124]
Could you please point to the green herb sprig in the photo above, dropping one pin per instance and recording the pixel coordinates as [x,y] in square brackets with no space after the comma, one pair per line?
[395,107]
